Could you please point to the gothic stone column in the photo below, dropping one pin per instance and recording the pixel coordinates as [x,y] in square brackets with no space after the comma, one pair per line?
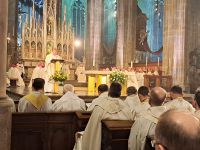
[120,33]
[5,111]
[174,40]
[94,31]
[126,31]
[130,31]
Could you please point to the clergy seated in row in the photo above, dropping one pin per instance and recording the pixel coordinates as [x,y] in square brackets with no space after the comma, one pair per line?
[197,103]
[132,99]
[145,124]
[35,101]
[14,74]
[143,94]
[177,130]
[38,72]
[177,101]
[113,108]
[103,94]
[69,101]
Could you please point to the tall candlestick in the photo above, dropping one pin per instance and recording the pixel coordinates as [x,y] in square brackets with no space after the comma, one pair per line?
[84,51]
[13,31]
[146,61]
[131,64]
[93,63]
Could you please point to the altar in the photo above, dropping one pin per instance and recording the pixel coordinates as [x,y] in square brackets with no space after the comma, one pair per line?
[95,78]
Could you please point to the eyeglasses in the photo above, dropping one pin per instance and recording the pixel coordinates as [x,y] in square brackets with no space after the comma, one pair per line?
[156,142]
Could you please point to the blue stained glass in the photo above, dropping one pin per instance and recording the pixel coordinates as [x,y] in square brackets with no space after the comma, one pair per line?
[154,10]
[110,24]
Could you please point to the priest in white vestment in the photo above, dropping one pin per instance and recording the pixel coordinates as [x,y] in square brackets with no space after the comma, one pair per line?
[177,101]
[132,99]
[14,74]
[20,67]
[103,94]
[81,77]
[140,78]
[113,108]
[69,101]
[38,72]
[50,68]
[131,79]
[35,101]
[145,125]
[143,94]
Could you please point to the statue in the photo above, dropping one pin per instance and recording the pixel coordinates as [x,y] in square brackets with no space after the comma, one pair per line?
[49,26]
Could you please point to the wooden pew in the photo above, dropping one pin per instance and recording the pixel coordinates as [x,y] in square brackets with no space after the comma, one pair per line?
[56,131]
[43,131]
[82,119]
[115,135]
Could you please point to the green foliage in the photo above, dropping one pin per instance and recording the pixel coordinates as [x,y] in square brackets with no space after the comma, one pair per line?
[118,76]
[59,76]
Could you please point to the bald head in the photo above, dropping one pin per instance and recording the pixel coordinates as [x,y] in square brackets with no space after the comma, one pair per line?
[157,96]
[68,88]
[178,129]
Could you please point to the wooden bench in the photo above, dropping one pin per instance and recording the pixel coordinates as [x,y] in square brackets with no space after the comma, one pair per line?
[82,119]
[115,135]
[56,131]
[43,131]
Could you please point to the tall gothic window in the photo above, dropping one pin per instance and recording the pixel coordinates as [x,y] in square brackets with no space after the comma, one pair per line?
[78,10]
[109,25]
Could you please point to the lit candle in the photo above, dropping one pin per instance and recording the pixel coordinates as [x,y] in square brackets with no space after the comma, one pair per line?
[131,64]
[158,61]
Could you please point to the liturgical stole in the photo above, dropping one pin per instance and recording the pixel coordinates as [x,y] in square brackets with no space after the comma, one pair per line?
[36,101]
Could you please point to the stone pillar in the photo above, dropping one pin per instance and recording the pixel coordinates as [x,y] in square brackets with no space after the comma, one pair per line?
[94,31]
[174,40]
[126,31]
[5,111]
[120,33]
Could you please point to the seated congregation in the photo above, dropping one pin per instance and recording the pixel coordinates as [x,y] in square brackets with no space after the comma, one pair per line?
[169,121]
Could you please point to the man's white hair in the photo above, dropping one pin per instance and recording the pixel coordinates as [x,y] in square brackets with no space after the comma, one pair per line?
[68,88]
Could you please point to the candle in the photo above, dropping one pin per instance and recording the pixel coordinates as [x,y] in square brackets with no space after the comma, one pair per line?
[146,61]
[93,62]
[84,44]
[13,31]
[158,61]
[131,64]
[94,53]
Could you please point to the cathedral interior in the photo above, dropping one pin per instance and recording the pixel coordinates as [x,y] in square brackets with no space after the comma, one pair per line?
[151,42]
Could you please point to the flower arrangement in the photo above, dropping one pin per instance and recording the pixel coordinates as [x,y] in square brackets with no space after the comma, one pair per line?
[118,76]
[59,76]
